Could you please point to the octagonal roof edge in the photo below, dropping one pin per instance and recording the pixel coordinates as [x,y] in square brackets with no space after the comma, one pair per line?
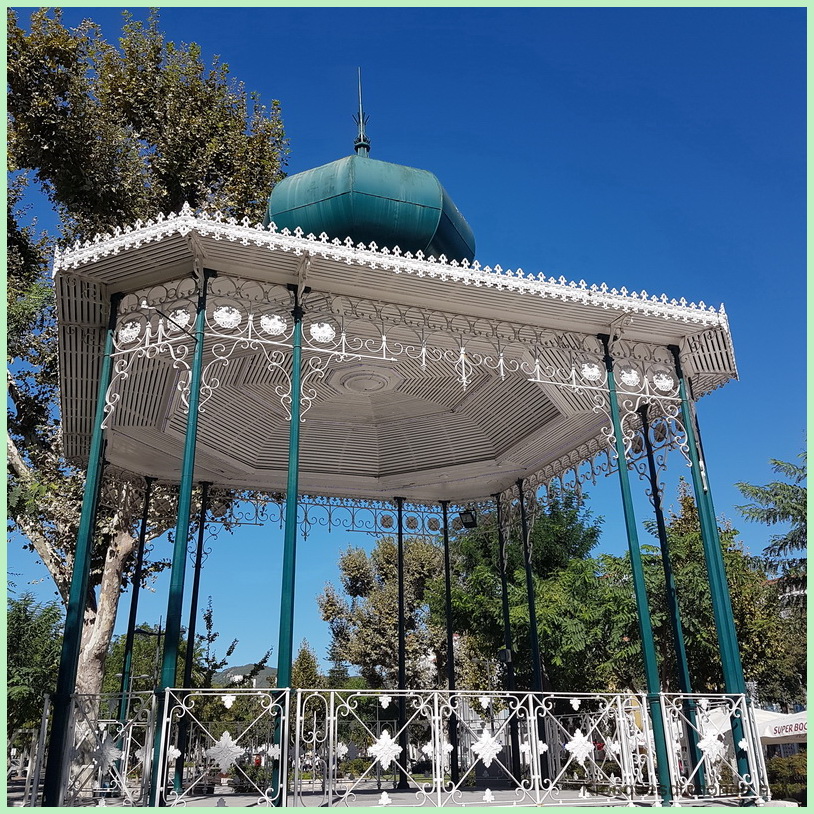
[373,256]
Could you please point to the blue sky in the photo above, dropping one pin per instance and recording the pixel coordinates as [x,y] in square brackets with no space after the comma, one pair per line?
[659,149]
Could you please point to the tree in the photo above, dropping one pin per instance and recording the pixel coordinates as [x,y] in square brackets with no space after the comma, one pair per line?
[35,631]
[305,669]
[364,626]
[561,537]
[786,503]
[110,135]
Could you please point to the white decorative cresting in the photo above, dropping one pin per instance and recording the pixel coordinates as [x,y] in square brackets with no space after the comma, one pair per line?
[485,701]
[225,752]
[487,748]
[743,744]
[575,702]
[629,376]
[591,371]
[385,700]
[322,332]
[580,747]
[129,332]
[385,750]
[228,700]
[272,324]
[384,800]
[227,316]
[488,797]
[216,226]
[173,753]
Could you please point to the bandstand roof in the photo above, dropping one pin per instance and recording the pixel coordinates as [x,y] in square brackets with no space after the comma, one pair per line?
[445,409]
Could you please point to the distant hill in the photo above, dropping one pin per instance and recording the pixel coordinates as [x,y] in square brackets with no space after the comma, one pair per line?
[267,677]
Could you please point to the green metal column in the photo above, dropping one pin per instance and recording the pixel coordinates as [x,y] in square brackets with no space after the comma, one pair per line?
[189,658]
[651,669]
[58,747]
[732,667]
[453,718]
[683,669]
[514,735]
[172,631]
[127,665]
[286,640]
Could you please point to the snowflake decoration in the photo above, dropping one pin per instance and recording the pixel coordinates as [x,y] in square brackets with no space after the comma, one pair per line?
[179,318]
[385,750]
[630,377]
[228,700]
[663,381]
[106,753]
[580,747]
[272,324]
[385,700]
[227,316]
[173,754]
[575,702]
[322,332]
[225,752]
[486,748]
[129,331]
[712,746]
[488,797]
[341,750]
[591,371]
[384,800]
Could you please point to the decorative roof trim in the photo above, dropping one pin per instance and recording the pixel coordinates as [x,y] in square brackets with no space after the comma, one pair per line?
[204,224]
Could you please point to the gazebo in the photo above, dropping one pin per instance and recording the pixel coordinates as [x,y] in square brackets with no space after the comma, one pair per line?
[399,382]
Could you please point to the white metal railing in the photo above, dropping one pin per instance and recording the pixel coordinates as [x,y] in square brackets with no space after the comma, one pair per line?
[224,741]
[703,753]
[325,747]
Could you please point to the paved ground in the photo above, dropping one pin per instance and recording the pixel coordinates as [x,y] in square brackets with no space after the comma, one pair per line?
[371,797]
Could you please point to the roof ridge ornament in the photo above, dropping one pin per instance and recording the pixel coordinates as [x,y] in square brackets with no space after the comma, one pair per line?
[362,143]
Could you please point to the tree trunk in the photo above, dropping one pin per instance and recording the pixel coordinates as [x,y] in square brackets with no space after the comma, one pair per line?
[98,626]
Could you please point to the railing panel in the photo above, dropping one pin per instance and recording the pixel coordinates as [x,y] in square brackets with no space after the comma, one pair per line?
[232,741]
[702,754]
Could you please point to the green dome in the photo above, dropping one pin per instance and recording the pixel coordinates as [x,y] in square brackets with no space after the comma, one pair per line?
[369,200]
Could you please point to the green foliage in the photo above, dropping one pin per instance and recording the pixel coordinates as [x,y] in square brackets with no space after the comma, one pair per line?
[788,775]
[364,621]
[305,669]
[109,134]
[166,128]
[34,633]
[785,503]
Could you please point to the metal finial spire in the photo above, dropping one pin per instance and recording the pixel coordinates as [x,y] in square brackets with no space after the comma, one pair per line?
[362,143]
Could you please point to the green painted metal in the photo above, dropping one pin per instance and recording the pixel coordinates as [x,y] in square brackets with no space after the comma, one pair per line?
[56,767]
[651,669]
[172,631]
[127,666]
[403,781]
[682,664]
[731,665]
[534,639]
[373,201]
[453,718]
[286,647]
[514,735]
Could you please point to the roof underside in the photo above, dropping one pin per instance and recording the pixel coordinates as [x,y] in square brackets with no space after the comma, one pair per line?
[374,427]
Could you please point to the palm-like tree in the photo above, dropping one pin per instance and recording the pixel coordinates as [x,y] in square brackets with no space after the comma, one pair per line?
[783,502]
